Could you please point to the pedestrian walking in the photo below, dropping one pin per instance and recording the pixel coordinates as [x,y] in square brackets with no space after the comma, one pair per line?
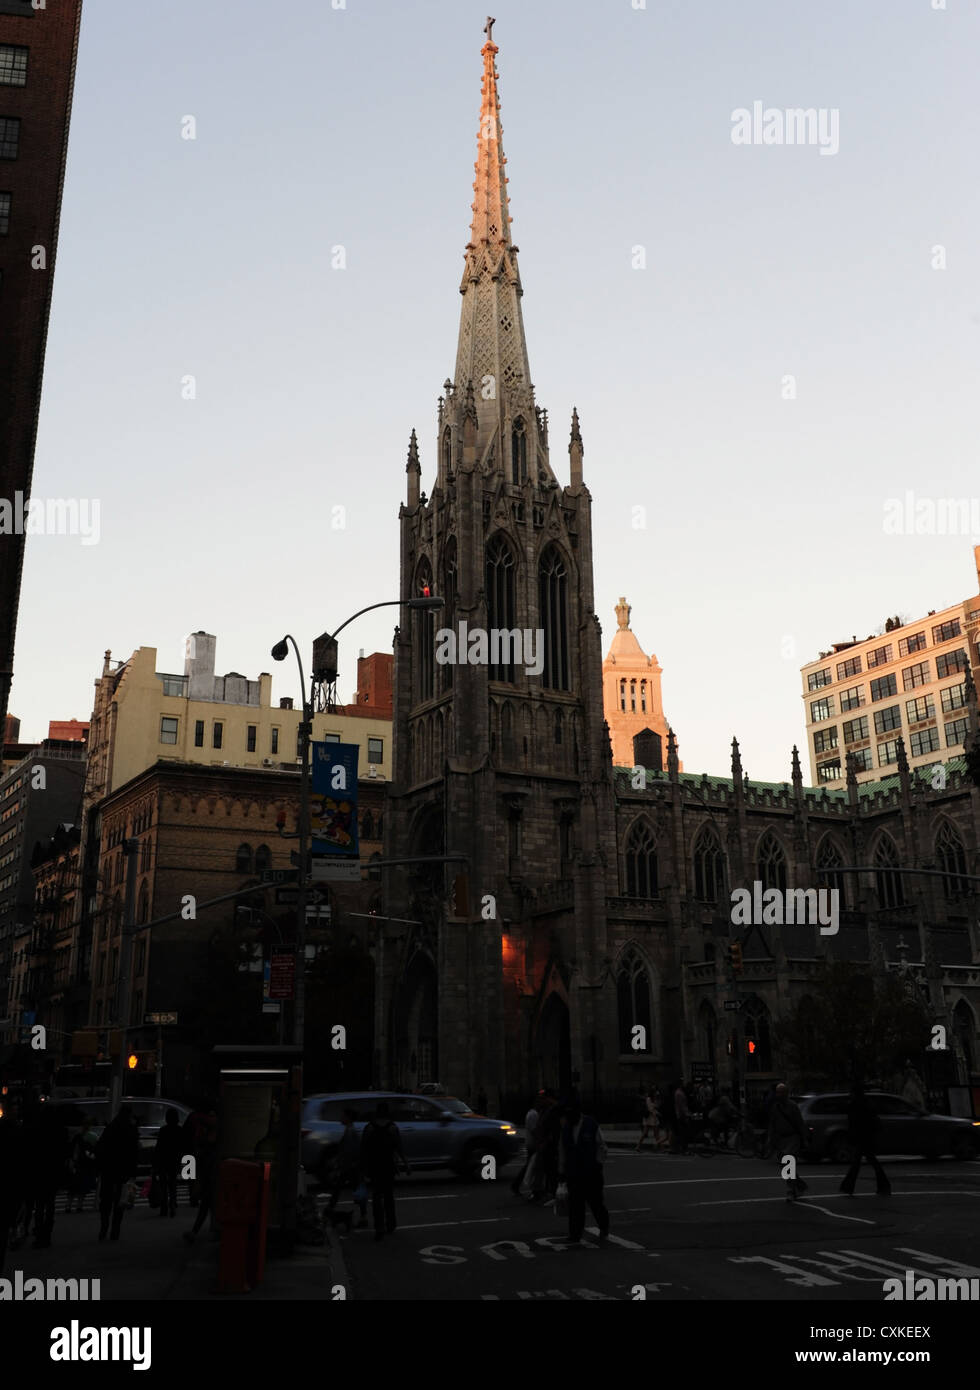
[581,1155]
[722,1117]
[82,1173]
[787,1135]
[204,1137]
[863,1128]
[381,1152]
[532,1121]
[345,1168]
[682,1118]
[12,1172]
[651,1118]
[167,1154]
[117,1157]
[47,1147]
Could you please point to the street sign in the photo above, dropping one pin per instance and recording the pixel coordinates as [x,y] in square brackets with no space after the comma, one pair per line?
[271,1006]
[279,875]
[336,870]
[731,1004]
[159,1019]
[282,974]
[290,895]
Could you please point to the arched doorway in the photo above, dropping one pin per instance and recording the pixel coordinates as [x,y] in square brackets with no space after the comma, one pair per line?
[417,1025]
[553,1044]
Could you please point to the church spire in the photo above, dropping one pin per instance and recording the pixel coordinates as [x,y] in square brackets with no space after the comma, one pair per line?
[492,351]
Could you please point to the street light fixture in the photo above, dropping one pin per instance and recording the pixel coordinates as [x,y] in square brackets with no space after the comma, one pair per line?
[324,671]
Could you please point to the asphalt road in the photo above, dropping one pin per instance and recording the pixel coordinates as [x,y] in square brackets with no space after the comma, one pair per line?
[683,1228]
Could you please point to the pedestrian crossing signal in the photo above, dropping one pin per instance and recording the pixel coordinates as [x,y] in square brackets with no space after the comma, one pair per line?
[750,1046]
[132,1061]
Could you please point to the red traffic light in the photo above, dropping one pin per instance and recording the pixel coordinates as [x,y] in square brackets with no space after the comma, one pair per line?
[750,1045]
[426,591]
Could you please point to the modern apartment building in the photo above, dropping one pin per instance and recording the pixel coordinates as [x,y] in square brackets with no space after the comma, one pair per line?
[37,73]
[908,683]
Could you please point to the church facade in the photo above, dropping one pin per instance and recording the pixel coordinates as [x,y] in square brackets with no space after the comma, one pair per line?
[546,918]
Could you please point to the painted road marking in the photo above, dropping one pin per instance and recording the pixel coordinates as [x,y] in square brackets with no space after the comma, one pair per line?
[501,1249]
[845,1264]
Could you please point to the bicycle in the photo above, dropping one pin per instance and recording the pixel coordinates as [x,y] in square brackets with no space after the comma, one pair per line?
[751,1142]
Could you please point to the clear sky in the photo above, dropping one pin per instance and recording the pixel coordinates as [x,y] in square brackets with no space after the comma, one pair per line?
[319,127]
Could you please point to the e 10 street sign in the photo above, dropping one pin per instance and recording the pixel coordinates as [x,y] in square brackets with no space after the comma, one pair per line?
[159,1019]
[290,895]
[279,875]
[732,1004]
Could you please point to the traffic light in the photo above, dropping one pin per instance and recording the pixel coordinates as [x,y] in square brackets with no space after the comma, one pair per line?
[750,1046]
[141,1061]
[133,1061]
[735,957]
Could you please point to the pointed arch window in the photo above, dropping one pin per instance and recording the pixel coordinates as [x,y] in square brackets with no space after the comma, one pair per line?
[447,450]
[425,637]
[888,883]
[622,696]
[709,868]
[263,859]
[501,602]
[632,697]
[771,863]
[633,1003]
[951,857]
[243,860]
[553,611]
[641,862]
[450,589]
[829,857]
[518,452]
[643,697]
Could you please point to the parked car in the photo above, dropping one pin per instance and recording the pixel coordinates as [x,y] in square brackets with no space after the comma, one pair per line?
[905,1129]
[149,1112]
[436,1131]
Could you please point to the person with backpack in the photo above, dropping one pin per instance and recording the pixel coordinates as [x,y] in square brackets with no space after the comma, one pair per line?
[863,1128]
[381,1152]
[787,1135]
[581,1155]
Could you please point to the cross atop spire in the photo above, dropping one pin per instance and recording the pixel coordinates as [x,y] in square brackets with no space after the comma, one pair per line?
[488,29]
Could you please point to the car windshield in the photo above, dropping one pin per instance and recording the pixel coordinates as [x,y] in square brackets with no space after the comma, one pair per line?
[458,1107]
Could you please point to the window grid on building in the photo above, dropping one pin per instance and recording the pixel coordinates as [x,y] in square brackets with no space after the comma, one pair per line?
[13,65]
[822,709]
[953,697]
[9,137]
[888,719]
[880,656]
[816,680]
[950,663]
[914,676]
[888,753]
[824,740]
[850,667]
[922,707]
[856,729]
[4,214]
[863,760]
[851,699]
[923,741]
[945,632]
[883,687]
[955,732]
[915,643]
[168,730]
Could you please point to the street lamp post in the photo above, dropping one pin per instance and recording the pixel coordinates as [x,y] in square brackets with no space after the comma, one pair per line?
[325,653]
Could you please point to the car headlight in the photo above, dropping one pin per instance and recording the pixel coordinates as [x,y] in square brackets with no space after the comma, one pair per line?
[508,1129]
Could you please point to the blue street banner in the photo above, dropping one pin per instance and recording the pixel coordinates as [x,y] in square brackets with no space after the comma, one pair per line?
[333,813]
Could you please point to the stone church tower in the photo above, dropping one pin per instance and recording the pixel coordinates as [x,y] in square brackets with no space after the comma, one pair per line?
[502,761]
[631,693]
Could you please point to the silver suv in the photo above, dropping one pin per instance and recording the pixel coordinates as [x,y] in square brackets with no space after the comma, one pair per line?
[904,1128]
[436,1131]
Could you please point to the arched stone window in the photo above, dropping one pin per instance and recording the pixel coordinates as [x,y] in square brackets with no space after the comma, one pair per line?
[553,611]
[709,867]
[641,862]
[425,637]
[263,859]
[143,911]
[771,863]
[951,858]
[632,697]
[447,449]
[633,1003]
[643,697]
[888,883]
[243,860]
[450,589]
[518,452]
[830,857]
[622,695]
[501,600]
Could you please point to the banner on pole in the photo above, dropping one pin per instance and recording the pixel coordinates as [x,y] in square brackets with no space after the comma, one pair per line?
[333,814]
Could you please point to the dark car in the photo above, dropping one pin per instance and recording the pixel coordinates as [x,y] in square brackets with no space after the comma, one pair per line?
[149,1112]
[904,1128]
[436,1131]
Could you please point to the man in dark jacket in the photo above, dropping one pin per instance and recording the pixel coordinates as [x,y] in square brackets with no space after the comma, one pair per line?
[47,1145]
[166,1161]
[787,1137]
[381,1151]
[11,1172]
[117,1157]
[863,1125]
[345,1166]
[582,1152]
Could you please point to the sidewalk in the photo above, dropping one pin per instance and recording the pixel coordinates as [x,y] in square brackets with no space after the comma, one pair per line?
[152,1262]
